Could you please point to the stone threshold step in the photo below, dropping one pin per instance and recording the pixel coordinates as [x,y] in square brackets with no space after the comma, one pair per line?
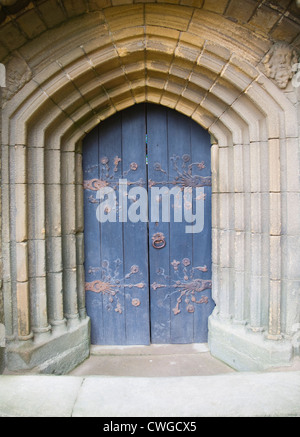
[153,349]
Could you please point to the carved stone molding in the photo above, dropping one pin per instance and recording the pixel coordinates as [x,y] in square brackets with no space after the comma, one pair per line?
[278,63]
[17,75]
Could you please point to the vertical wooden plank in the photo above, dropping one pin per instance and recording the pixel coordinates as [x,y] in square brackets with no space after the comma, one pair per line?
[202,241]
[135,232]
[92,237]
[159,259]
[181,243]
[111,251]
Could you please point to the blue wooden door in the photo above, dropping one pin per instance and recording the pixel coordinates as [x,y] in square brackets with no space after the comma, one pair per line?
[147,191]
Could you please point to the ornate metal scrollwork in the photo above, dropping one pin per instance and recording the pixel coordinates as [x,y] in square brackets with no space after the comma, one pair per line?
[188,287]
[110,285]
[185,177]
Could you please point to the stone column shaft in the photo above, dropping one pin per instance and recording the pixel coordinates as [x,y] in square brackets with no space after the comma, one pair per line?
[37,241]
[69,236]
[54,239]
[80,235]
[274,328]
[255,237]
[19,237]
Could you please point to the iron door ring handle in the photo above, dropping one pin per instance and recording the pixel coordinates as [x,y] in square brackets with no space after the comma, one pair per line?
[158,241]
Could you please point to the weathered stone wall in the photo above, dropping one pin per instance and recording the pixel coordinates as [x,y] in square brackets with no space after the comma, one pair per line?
[72,64]
[25,20]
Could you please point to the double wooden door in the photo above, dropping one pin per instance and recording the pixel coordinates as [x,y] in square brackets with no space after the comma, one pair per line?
[147,197]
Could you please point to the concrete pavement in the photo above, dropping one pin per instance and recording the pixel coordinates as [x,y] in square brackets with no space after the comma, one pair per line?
[167,381]
[229,395]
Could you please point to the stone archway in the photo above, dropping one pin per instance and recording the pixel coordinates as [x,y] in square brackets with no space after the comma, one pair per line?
[172,55]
